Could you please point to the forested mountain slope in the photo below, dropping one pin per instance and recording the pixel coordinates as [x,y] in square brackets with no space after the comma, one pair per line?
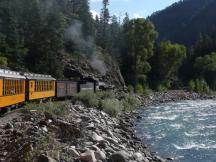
[183,21]
[47,36]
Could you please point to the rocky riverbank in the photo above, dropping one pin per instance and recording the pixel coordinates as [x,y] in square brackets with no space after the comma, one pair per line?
[85,134]
[172,96]
[81,135]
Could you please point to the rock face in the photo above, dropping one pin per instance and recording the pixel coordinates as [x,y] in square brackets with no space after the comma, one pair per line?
[83,69]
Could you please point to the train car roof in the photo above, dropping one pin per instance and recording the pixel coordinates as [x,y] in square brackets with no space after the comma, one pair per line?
[38,76]
[10,74]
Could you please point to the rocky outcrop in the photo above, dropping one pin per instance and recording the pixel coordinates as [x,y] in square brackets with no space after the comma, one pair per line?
[81,68]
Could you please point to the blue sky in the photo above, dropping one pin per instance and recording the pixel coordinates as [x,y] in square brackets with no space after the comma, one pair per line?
[135,8]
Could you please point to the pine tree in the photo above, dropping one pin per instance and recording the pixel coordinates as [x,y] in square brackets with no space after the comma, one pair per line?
[105,17]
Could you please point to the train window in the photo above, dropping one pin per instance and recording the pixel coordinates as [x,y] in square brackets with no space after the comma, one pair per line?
[35,86]
[22,86]
[40,83]
[12,87]
[18,87]
[49,85]
[4,88]
[44,85]
[45,88]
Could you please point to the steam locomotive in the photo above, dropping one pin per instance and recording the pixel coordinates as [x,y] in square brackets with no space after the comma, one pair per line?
[17,88]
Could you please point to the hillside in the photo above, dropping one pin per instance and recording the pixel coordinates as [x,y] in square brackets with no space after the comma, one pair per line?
[183,21]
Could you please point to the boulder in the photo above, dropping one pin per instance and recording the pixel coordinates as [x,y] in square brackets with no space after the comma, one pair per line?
[100,155]
[73,152]
[138,156]
[8,126]
[96,137]
[120,156]
[88,156]
[44,158]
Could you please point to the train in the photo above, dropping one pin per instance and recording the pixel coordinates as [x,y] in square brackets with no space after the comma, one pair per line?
[16,88]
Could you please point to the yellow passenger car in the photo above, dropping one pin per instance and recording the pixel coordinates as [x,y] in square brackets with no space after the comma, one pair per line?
[12,88]
[39,86]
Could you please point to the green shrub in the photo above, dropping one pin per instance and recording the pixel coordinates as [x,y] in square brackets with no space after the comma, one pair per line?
[55,108]
[146,90]
[191,85]
[105,94]
[3,61]
[88,98]
[201,86]
[130,103]
[111,106]
[161,88]
[167,84]
[139,88]
[130,89]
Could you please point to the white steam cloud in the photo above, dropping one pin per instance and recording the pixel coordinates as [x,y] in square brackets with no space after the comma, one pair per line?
[98,65]
[85,45]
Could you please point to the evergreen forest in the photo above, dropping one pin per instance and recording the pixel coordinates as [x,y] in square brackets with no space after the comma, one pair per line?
[164,51]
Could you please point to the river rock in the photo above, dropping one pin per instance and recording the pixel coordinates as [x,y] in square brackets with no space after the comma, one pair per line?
[100,155]
[88,156]
[8,126]
[138,156]
[96,137]
[73,152]
[120,156]
[44,158]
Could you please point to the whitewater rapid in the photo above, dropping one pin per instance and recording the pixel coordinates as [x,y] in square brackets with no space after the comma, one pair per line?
[185,131]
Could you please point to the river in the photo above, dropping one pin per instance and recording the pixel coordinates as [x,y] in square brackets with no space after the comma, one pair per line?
[185,131]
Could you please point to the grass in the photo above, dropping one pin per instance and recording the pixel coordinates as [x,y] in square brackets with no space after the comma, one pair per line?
[106,101]
[105,94]
[130,103]
[55,108]
[88,98]
[111,106]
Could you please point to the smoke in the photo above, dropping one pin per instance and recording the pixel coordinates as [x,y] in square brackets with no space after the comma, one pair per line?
[85,45]
[98,65]
[74,34]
